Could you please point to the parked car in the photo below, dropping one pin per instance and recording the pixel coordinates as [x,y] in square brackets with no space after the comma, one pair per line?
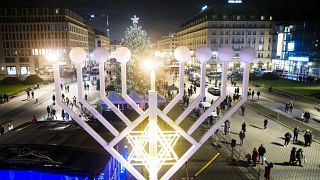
[214,91]
[197,82]
[280,72]
[213,74]
[193,76]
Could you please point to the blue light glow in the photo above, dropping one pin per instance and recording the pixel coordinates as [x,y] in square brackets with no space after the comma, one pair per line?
[204,7]
[92,15]
[31,175]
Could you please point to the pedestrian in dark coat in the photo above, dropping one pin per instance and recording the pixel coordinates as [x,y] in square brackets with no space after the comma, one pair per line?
[267,170]
[287,138]
[54,99]
[293,156]
[1,130]
[307,138]
[48,110]
[252,94]
[265,124]
[258,94]
[244,127]
[295,134]
[242,135]
[299,156]
[261,151]
[243,108]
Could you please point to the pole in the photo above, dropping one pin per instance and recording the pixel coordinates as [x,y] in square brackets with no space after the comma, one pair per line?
[153,139]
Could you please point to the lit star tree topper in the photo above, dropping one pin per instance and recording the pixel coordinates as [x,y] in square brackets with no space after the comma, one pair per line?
[135,19]
[138,42]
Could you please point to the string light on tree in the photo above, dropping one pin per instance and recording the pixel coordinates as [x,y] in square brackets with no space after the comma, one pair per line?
[138,42]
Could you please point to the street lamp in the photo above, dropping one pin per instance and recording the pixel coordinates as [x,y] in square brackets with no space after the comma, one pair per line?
[151,66]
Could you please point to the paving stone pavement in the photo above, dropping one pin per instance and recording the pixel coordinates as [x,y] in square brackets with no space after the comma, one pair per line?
[273,141]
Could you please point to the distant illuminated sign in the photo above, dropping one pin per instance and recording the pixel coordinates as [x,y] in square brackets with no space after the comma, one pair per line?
[291,46]
[303,58]
[234,1]
[204,7]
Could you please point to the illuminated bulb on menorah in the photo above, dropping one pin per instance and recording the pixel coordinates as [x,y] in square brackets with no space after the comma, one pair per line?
[154,147]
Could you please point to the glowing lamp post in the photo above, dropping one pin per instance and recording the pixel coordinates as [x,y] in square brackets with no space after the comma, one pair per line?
[151,66]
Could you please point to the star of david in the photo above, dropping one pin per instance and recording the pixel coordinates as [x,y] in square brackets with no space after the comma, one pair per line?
[135,19]
[140,140]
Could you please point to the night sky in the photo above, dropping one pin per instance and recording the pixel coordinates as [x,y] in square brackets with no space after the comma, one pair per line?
[157,17]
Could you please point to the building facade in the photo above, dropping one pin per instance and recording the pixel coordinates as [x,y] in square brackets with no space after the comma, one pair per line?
[29,34]
[233,25]
[298,50]
[101,40]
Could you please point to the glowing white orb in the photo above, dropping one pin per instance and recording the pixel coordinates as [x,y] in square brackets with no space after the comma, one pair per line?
[182,53]
[100,54]
[204,54]
[122,54]
[225,54]
[247,55]
[78,55]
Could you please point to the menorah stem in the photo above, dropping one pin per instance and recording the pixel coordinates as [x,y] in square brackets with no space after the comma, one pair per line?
[79,81]
[153,139]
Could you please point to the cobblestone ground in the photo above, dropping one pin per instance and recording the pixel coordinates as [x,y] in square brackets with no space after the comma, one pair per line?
[273,141]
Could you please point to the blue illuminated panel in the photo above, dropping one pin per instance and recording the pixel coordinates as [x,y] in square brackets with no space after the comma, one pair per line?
[34,175]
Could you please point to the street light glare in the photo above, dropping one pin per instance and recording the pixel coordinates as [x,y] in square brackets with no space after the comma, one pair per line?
[52,56]
[149,65]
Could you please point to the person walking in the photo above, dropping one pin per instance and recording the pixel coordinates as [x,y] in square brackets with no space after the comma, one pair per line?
[291,106]
[74,101]
[243,108]
[299,156]
[307,138]
[267,170]
[287,138]
[258,94]
[306,116]
[252,94]
[1,130]
[242,135]
[28,94]
[62,114]
[265,124]
[227,126]
[255,156]
[295,135]
[48,110]
[261,151]
[293,156]
[32,94]
[34,118]
[243,127]
[54,99]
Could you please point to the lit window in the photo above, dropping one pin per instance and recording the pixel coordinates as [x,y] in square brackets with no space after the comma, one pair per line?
[11,70]
[57,11]
[24,70]
[238,17]
[262,18]
[270,18]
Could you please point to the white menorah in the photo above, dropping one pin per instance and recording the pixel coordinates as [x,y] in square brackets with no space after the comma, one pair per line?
[153,147]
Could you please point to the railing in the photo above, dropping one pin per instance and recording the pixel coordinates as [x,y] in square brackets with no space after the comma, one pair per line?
[236,153]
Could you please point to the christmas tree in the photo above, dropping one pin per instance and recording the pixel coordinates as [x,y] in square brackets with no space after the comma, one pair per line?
[137,40]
